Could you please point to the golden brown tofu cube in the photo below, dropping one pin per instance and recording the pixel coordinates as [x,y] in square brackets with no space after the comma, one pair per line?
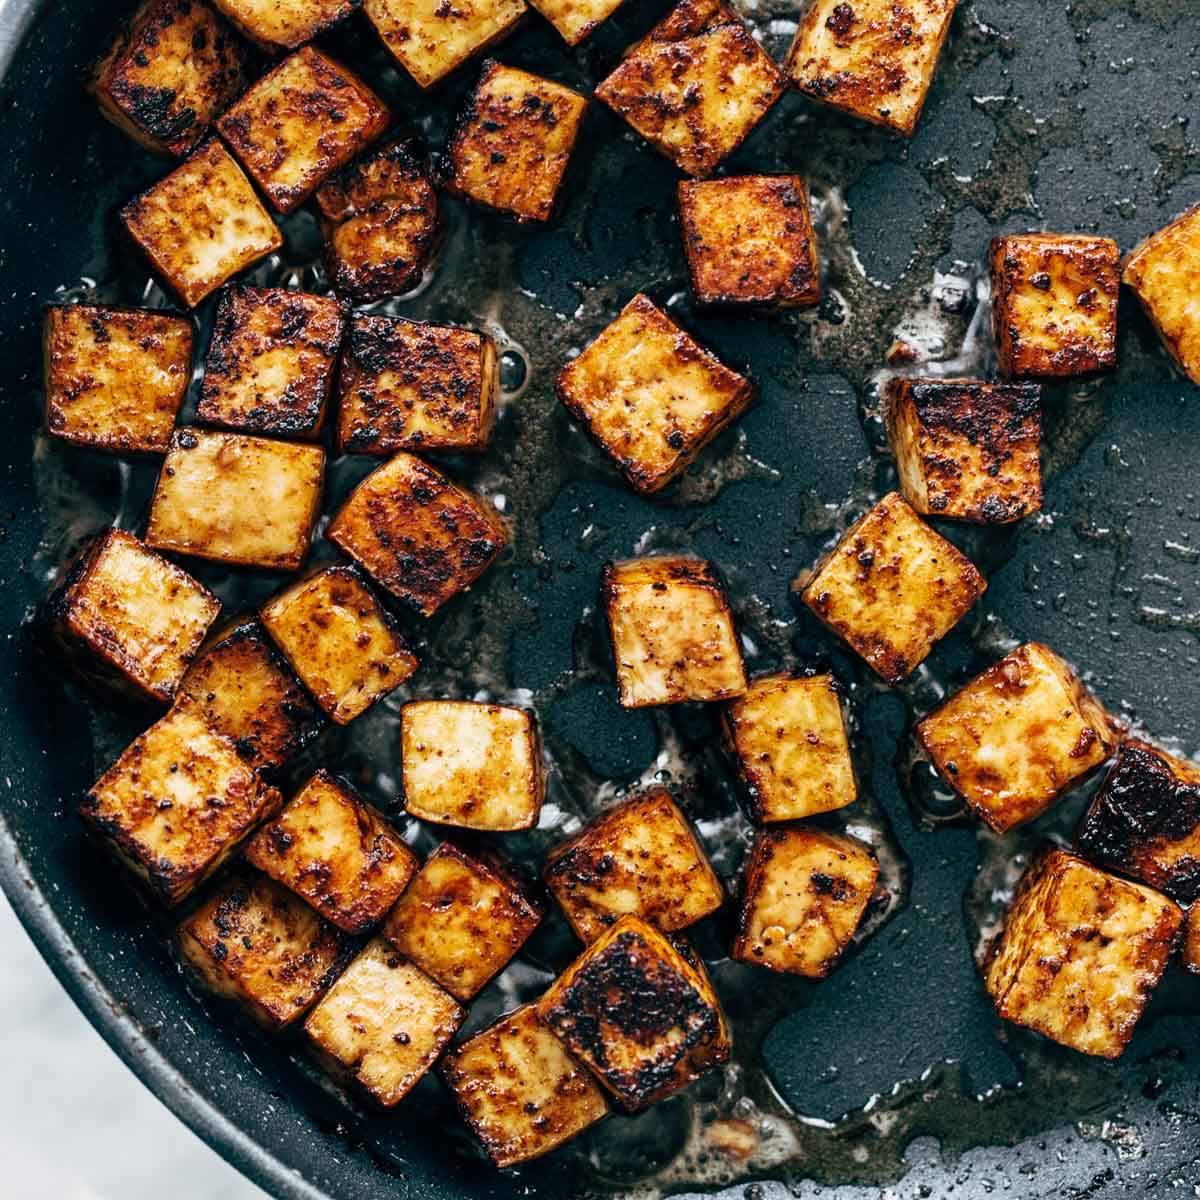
[519,1090]
[650,396]
[383,1024]
[285,24]
[672,632]
[1190,949]
[337,852]
[512,143]
[871,58]
[128,620]
[967,449]
[1054,304]
[477,766]
[409,385]
[639,1011]
[417,534]
[892,587]
[1145,820]
[340,641]
[300,123]
[256,944]
[805,895]
[430,38]
[576,19]
[236,499]
[202,224]
[177,803]
[115,377]
[787,737]
[1080,954]
[463,919]
[172,69]
[1017,736]
[380,218]
[695,86]
[1164,273]
[271,361]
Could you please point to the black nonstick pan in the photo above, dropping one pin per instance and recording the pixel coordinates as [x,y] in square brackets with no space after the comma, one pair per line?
[893,1072]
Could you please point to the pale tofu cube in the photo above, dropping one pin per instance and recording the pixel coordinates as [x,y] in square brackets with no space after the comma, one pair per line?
[285,24]
[576,20]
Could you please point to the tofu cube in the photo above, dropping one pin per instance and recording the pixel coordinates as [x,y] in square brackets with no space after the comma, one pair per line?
[512,144]
[477,766]
[285,24]
[805,894]
[380,219]
[463,919]
[1080,954]
[871,58]
[256,944]
[576,20]
[430,38]
[1163,273]
[337,852]
[640,1012]
[519,1090]
[672,632]
[1189,951]
[177,804]
[128,620]
[202,224]
[236,499]
[1018,736]
[417,534]
[892,587]
[115,377]
[640,857]
[967,449]
[340,641]
[1145,820]
[271,361]
[695,86]
[1054,304]
[173,67]
[787,738]
[410,385]
[301,122]
[650,396]
[383,1024]
[750,240]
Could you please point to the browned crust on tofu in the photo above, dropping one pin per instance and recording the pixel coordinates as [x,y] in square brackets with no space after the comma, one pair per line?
[576,20]
[1189,951]
[285,24]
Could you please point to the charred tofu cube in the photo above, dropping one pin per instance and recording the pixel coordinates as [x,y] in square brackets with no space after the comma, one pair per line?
[337,852]
[519,1090]
[383,1024]
[650,396]
[236,499]
[967,449]
[695,86]
[277,25]
[271,362]
[576,20]
[672,632]
[340,641]
[1080,954]
[380,219]
[177,804]
[256,944]
[172,69]
[512,143]
[892,587]
[477,766]
[1017,736]
[1054,304]
[788,741]
[418,534]
[202,224]
[129,620]
[300,123]
[805,895]
[871,58]
[640,1012]
[463,919]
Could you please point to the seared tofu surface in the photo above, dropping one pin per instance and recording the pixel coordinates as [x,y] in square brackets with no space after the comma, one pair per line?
[1189,950]
[285,24]
[576,19]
